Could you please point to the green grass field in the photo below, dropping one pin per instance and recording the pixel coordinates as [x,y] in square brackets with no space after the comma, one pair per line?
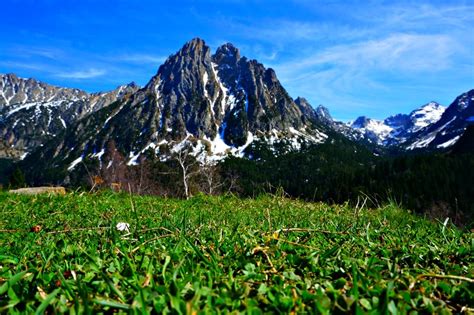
[224,254]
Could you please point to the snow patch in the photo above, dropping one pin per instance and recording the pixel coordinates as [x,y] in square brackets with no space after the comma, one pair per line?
[74,163]
[133,158]
[30,105]
[448,143]
[62,122]
[421,143]
[223,89]
[98,155]
[426,115]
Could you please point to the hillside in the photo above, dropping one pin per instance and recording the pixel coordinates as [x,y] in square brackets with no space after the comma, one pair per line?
[211,254]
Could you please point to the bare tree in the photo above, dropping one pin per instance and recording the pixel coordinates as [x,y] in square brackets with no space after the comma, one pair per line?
[188,165]
[211,179]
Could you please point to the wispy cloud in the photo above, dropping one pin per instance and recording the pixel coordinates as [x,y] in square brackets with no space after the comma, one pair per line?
[348,75]
[21,65]
[83,74]
[140,59]
[34,51]
[401,52]
[421,16]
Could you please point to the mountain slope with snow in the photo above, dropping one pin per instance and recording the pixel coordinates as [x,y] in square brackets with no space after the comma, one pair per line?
[218,103]
[447,130]
[400,128]
[31,112]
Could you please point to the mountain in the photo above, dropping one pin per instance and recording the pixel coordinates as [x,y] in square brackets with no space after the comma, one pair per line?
[465,143]
[449,127]
[219,103]
[31,112]
[320,113]
[15,90]
[397,129]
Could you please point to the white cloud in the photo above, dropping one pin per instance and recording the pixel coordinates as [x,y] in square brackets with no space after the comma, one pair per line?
[83,74]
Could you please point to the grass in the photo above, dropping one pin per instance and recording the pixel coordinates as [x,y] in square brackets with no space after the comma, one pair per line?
[224,254]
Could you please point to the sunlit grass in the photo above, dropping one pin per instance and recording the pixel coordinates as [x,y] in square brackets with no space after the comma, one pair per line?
[267,254]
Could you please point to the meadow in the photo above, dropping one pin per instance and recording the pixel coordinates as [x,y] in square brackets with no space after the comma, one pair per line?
[227,254]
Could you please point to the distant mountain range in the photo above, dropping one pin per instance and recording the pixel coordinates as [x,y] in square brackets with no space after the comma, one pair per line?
[219,103]
[432,126]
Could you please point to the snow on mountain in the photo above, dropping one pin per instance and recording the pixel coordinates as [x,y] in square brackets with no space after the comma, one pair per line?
[15,90]
[399,128]
[425,115]
[219,103]
[375,130]
[32,112]
[446,130]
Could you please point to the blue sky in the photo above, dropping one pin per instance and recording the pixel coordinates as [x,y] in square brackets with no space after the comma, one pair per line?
[371,58]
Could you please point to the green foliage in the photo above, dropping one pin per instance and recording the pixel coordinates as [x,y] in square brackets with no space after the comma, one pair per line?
[224,254]
[6,169]
[17,179]
[439,185]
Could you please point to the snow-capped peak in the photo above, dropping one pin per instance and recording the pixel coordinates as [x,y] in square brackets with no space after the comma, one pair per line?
[426,115]
[375,130]
[395,129]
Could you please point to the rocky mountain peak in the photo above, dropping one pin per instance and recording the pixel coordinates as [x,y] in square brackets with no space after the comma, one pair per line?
[194,49]
[224,100]
[398,121]
[227,54]
[183,72]
[320,113]
[360,122]
[426,115]
[465,100]
[323,113]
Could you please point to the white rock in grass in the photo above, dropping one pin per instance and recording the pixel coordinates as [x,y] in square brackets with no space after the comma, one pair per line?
[123,226]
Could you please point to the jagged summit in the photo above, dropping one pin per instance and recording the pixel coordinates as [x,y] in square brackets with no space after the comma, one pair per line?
[227,54]
[320,113]
[222,101]
[449,126]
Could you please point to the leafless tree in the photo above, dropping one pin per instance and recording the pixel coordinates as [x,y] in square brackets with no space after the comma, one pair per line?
[210,177]
[188,165]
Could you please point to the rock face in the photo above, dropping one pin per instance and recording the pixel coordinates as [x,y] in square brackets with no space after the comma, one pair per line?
[223,100]
[32,112]
[225,93]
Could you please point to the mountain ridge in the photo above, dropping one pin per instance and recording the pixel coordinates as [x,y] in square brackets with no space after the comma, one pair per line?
[220,102]
[33,111]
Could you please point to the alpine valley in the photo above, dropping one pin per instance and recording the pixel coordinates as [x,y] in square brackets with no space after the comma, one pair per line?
[218,107]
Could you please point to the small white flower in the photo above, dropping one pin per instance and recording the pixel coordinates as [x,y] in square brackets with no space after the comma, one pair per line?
[123,226]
